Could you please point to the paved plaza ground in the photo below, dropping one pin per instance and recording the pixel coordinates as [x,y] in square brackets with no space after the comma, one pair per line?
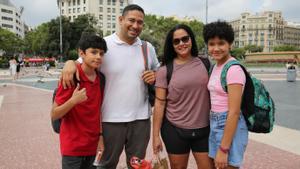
[28,142]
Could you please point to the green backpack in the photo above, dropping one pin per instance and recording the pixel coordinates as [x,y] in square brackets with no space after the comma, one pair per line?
[257,106]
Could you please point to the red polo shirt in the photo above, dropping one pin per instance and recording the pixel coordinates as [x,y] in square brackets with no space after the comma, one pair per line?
[80,127]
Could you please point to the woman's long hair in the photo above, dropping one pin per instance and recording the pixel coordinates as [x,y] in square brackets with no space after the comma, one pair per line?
[169,51]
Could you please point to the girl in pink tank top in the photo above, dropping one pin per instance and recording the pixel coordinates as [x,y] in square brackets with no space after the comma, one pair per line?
[228,130]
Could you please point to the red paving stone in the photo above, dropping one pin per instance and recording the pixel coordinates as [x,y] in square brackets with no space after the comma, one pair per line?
[28,142]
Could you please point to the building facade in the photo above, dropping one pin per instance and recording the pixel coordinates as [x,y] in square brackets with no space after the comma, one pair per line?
[10,18]
[107,12]
[267,29]
[291,34]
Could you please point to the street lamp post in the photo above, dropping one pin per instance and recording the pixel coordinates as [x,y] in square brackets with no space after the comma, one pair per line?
[60,31]
[206,12]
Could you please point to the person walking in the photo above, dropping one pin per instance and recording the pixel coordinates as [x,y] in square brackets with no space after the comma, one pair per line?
[181,111]
[126,110]
[13,68]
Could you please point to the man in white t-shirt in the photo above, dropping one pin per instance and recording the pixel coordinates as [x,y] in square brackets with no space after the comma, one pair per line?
[125,110]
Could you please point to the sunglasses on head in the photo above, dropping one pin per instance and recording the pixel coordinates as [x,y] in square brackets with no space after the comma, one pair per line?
[184,39]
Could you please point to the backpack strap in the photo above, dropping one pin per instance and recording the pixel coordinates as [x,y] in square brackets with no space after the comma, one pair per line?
[169,67]
[145,54]
[224,73]
[247,104]
[102,85]
[206,63]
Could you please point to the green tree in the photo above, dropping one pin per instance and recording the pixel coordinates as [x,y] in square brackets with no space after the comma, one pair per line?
[285,48]
[83,24]
[54,36]
[157,27]
[238,53]
[253,48]
[10,42]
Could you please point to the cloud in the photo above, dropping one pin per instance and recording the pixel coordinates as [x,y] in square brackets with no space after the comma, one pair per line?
[220,9]
[39,11]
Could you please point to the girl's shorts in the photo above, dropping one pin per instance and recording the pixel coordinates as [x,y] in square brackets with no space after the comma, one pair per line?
[239,142]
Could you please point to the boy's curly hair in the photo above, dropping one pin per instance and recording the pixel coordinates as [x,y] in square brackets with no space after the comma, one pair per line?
[220,29]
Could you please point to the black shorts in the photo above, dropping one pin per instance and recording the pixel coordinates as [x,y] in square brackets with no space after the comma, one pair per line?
[176,144]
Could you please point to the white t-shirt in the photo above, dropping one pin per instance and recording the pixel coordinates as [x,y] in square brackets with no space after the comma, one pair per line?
[125,97]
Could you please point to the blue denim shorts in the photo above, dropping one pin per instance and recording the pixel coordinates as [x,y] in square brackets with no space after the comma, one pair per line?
[239,142]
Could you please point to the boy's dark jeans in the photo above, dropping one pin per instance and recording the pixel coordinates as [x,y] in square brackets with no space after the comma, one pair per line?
[78,162]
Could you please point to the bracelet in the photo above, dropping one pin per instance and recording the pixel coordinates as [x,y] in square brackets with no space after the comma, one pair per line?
[224,150]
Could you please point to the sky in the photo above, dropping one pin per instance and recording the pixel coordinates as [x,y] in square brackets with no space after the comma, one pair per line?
[40,11]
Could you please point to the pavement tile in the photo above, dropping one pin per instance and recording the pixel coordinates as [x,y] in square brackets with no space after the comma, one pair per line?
[28,142]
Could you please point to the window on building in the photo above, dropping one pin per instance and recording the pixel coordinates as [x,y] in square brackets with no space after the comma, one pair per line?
[101,17]
[78,2]
[62,3]
[108,25]
[74,17]
[83,1]
[7,26]
[74,10]
[70,10]
[7,11]
[69,3]
[270,15]
[121,10]
[83,9]
[113,17]
[100,9]
[70,17]
[74,2]
[113,2]
[113,10]
[108,17]
[121,3]
[108,10]
[7,18]
[78,10]
[108,2]
[101,25]
[62,11]
[113,25]
[100,2]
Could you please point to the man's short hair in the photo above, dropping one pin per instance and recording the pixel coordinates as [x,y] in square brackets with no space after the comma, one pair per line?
[132,7]
[91,41]
[220,29]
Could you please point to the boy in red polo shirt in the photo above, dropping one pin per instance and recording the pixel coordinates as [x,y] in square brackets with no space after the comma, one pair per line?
[79,109]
